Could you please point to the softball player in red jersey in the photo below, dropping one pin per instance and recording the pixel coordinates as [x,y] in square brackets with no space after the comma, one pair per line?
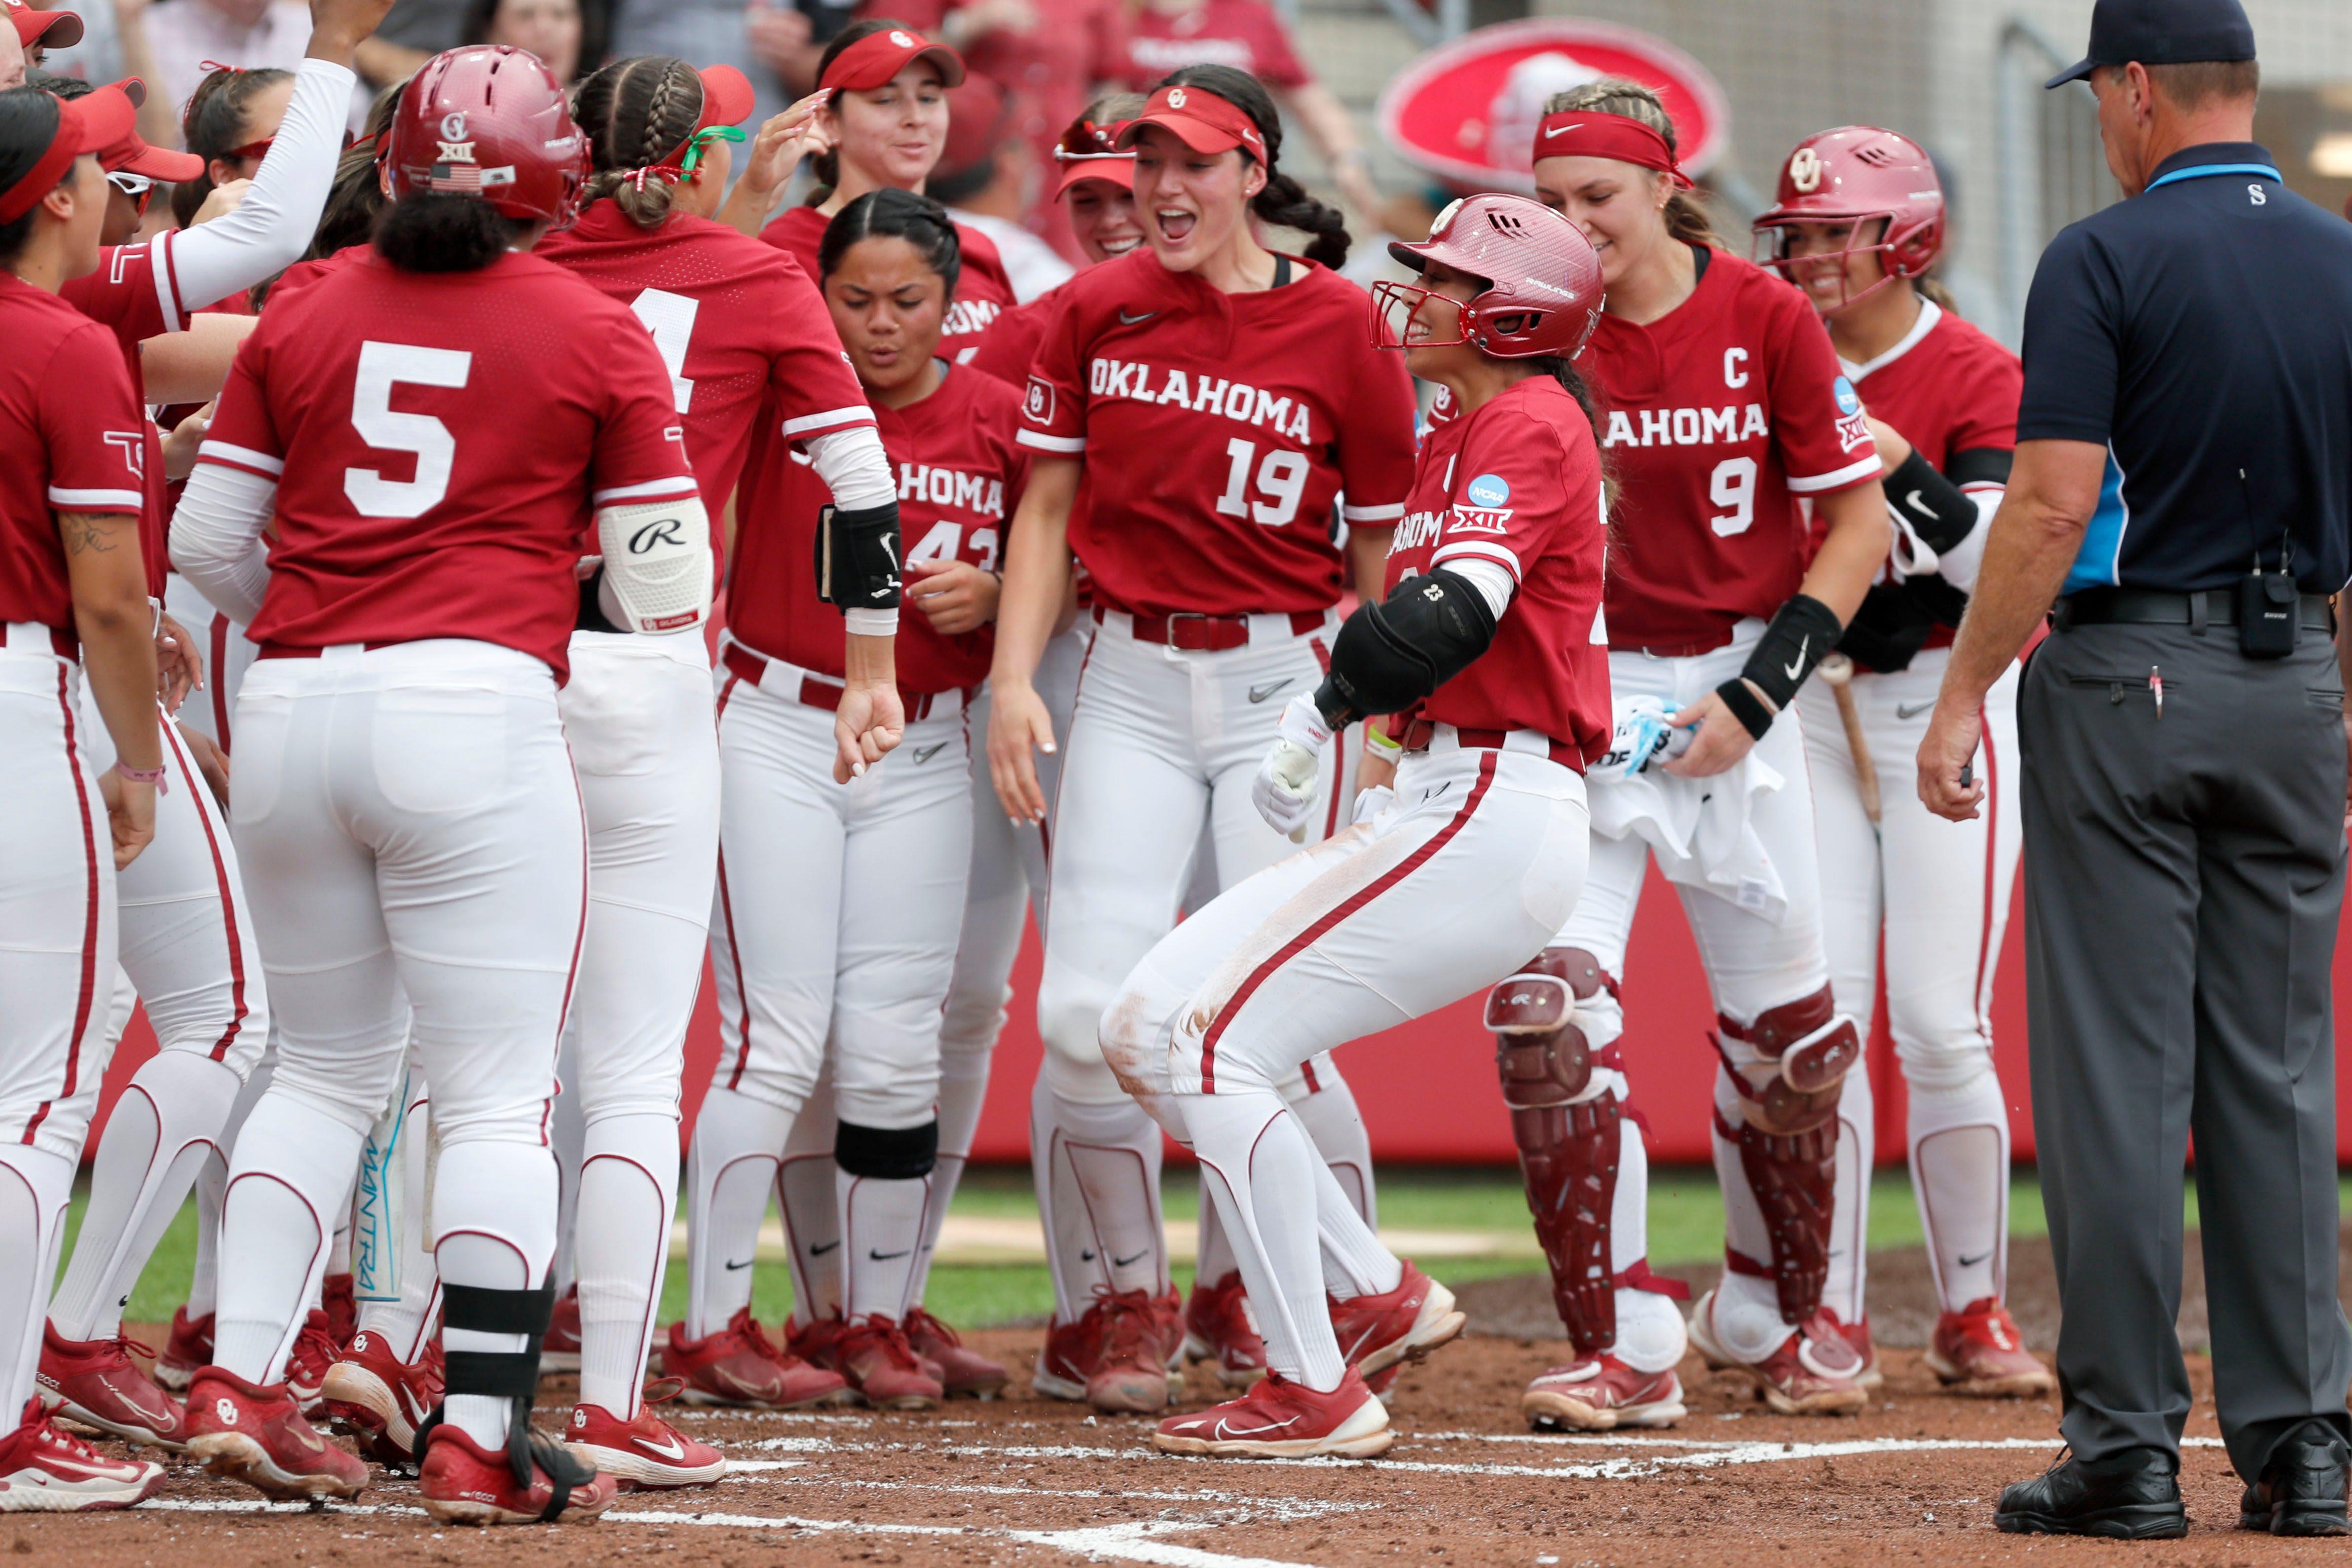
[1198,411]
[1723,408]
[1487,648]
[838,908]
[187,939]
[1858,221]
[73,611]
[432,430]
[879,120]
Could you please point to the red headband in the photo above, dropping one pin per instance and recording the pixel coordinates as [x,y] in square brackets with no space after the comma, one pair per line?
[1585,134]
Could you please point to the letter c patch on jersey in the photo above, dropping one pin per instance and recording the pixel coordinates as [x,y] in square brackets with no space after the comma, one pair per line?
[1038,406]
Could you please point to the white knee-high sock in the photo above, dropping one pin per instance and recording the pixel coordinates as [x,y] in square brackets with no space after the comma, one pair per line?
[628,1190]
[34,1188]
[1114,1153]
[405,1324]
[211,1188]
[1061,1210]
[1651,1336]
[1960,1175]
[567,1137]
[728,1168]
[1261,1165]
[1354,1261]
[167,1124]
[494,1218]
[881,1231]
[1328,1111]
[806,1192]
[1857,1147]
[290,1178]
[963,1087]
[1214,1257]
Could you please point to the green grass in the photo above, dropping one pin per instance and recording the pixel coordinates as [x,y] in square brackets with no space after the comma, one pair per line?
[1685,1226]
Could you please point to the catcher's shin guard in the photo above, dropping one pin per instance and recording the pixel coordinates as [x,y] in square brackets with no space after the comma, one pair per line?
[1568,1145]
[512,1375]
[1789,1068]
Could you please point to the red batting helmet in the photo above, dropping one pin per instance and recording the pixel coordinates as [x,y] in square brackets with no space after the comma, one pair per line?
[489,120]
[1853,174]
[1543,281]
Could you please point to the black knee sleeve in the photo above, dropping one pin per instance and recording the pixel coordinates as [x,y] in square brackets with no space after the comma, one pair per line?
[887,1153]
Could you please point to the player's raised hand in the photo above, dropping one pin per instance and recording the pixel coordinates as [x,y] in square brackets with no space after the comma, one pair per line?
[776,151]
[1017,723]
[338,26]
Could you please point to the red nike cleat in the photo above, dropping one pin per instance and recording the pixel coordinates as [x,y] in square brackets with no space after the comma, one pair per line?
[45,1471]
[1279,1419]
[1810,1373]
[1376,1331]
[1218,1328]
[1115,1357]
[647,1453]
[96,1383]
[1857,1334]
[339,1299]
[306,1364]
[740,1365]
[559,1350]
[814,1341]
[255,1433]
[961,1372]
[188,1347]
[1979,1351]
[378,1396]
[1599,1394]
[874,1354]
[462,1483]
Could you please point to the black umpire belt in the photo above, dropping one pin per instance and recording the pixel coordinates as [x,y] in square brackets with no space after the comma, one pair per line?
[2166,607]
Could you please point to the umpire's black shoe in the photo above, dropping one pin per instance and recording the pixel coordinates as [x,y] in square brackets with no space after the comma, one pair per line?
[2302,1484]
[2133,1496]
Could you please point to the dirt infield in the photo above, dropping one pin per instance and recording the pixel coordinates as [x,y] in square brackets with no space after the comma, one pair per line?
[1024,1480]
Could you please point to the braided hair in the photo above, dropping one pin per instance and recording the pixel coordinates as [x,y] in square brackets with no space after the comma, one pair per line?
[1686,220]
[636,113]
[217,122]
[891,213]
[1283,202]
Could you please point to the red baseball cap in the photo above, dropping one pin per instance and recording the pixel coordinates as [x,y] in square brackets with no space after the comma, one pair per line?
[1200,119]
[132,154]
[873,61]
[52,29]
[727,97]
[1091,151]
[86,125]
[980,120]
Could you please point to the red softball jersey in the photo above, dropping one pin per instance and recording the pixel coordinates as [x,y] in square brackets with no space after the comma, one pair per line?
[960,472]
[982,289]
[1518,483]
[1719,416]
[737,322]
[439,441]
[1009,347]
[74,436]
[302,274]
[1218,431]
[1244,34]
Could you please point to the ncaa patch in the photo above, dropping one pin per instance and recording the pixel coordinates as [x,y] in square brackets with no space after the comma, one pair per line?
[1489,490]
[1848,400]
[1038,406]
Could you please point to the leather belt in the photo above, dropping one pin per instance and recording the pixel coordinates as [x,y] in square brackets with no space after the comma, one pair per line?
[1421,731]
[1208,634]
[2167,607]
[816,691]
[1676,649]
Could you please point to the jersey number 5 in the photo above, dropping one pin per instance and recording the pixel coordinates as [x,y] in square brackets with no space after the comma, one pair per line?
[1282,476]
[384,366]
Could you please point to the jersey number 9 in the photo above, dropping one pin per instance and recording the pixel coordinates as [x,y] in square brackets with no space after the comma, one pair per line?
[1733,486]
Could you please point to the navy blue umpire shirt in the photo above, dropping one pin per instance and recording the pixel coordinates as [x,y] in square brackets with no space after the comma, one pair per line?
[2201,332]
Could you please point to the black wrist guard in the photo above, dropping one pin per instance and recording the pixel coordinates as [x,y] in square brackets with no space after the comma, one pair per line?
[1933,505]
[858,557]
[1753,716]
[1803,632]
[592,617]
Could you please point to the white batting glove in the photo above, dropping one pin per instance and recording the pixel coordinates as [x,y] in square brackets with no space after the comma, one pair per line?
[1371,802]
[1284,792]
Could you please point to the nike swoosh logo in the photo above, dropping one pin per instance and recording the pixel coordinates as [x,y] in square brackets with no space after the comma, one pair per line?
[887,1256]
[1795,670]
[822,1247]
[925,753]
[1127,321]
[1913,709]
[1353,1352]
[412,1406]
[672,1449]
[732,1265]
[1225,1428]
[1085,1256]
[1558,129]
[1916,504]
[1980,1257]
[1123,1262]
[1260,693]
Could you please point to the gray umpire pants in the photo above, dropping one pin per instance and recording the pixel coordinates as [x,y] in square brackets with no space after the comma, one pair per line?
[2183,876]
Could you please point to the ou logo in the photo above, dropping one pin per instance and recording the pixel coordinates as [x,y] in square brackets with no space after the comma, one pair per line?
[902,40]
[453,125]
[1805,170]
[1175,98]
[579,1418]
[226,1410]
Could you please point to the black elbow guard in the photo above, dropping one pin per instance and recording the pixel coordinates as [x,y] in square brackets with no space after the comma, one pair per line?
[1931,504]
[1390,655]
[858,557]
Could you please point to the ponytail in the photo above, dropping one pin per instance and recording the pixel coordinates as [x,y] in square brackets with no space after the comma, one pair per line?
[1686,219]
[430,231]
[636,113]
[214,124]
[1931,288]
[1283,202]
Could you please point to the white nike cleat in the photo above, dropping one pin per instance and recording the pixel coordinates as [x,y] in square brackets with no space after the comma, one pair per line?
[646,1453]
[1279,1419]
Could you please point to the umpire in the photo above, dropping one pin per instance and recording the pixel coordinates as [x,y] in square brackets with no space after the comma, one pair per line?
[2183,489]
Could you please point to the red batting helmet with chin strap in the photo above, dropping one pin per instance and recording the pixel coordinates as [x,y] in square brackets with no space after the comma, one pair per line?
[1853,174]
[488,120]
[1543,280]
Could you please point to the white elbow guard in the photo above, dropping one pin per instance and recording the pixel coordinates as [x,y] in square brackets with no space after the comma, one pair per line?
[657,563]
